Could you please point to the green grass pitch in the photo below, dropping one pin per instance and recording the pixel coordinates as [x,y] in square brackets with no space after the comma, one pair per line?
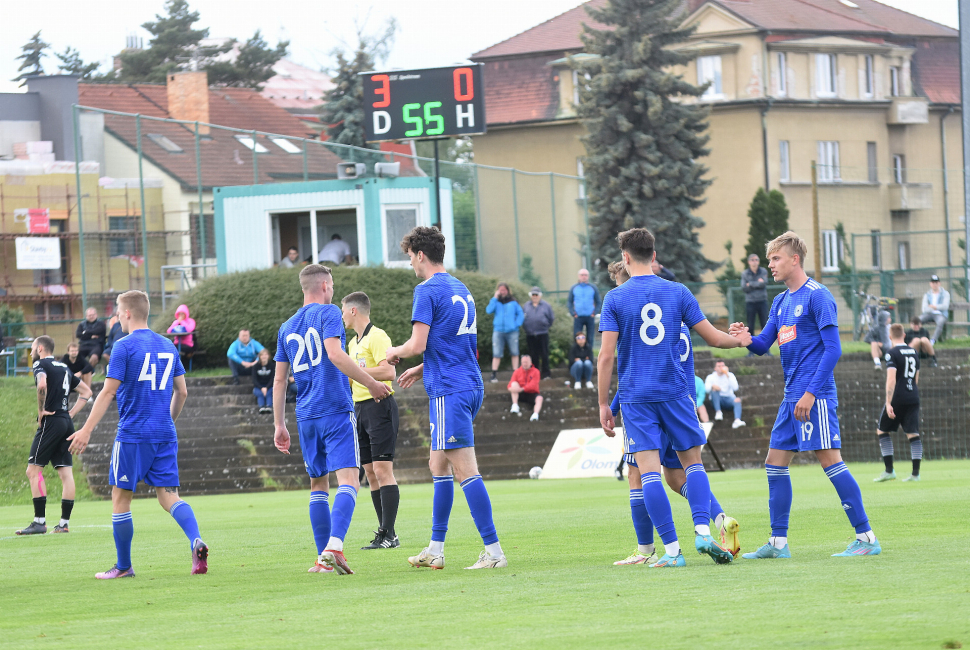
[560,590]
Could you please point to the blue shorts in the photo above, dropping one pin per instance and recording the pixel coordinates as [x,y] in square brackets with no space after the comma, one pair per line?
[646,423]
[155,463]
[329,443]
[451,419]
[668,457]
[502,339]
[820,432]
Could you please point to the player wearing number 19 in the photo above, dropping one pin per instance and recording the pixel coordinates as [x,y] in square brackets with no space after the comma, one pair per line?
[146,377]
[444,328]
[641,319]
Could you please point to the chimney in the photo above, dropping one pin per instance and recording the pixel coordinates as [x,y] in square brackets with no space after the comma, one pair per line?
[188,97]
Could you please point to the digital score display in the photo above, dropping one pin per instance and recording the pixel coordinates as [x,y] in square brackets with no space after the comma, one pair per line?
[429,103]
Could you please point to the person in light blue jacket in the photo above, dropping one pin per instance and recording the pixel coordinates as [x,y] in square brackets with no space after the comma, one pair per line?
[584,304]
[508,317]
[242,355]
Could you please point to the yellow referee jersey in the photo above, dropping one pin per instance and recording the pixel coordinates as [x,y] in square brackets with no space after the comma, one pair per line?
[368,351]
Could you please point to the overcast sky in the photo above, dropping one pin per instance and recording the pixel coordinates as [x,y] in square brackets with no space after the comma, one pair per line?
[431,32]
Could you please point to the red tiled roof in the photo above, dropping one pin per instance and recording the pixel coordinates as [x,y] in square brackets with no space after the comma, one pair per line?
[225,161]
[557,34]
[936,71]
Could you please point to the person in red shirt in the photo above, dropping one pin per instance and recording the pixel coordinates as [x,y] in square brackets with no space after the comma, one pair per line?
[524,387]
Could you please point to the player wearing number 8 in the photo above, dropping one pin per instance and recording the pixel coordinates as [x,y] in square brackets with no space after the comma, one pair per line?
[146,377]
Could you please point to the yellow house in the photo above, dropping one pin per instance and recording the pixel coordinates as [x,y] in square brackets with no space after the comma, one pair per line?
[869,92]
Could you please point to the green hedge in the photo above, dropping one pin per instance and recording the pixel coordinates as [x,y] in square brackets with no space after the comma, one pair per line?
[262,300]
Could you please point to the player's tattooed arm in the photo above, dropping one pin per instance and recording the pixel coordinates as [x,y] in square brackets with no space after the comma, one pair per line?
[41,395]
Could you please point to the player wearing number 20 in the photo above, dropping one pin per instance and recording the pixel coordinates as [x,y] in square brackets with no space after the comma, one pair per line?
[804,320]
[641,319]
[146,377]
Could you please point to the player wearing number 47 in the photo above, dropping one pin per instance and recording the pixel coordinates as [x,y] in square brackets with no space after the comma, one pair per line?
[805,322]
[147,378]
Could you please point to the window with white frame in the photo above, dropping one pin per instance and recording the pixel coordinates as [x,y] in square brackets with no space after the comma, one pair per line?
[899,168]
[868,77]
[902,250]
[580,171]
[832,251]
[781,61]
[827,167]
[873,162]
[784,171]
[825,75]
[399,220]
[247,141]
[894,79]
[709,70]
[286,145]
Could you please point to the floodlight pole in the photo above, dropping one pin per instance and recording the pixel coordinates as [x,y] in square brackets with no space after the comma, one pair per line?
[964,8]
[437,192]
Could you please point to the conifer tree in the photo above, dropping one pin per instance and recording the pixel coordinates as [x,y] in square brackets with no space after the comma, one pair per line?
[71,63]
[643,139]
[31,53]
[768,216]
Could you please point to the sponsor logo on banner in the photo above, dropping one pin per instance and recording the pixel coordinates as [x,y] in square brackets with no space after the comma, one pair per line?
[786,334]
[583,453]
[38,253]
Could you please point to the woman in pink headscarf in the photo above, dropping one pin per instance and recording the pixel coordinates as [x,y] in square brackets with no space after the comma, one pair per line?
[183,325]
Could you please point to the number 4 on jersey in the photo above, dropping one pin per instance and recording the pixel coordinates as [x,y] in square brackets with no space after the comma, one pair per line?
[148,369]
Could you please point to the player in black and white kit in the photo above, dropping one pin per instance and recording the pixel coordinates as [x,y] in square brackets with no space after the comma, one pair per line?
[54,382]
[902,403]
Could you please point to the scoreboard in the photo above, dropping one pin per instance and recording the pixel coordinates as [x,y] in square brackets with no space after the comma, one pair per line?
[428,103]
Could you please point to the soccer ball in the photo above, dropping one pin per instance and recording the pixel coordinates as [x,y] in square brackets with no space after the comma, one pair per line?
[535,472]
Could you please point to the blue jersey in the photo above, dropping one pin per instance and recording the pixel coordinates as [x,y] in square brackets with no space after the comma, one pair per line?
[798,319]
[647,313]
[321,389]
[450,361]
[686,350]
[146,364]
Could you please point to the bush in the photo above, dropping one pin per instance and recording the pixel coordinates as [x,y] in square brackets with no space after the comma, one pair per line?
[262,300]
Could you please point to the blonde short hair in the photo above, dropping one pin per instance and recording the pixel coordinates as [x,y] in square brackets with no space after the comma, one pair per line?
[791,241]
[136,302]
[618,272]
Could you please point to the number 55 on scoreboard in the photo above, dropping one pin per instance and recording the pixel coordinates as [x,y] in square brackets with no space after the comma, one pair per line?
[428,103]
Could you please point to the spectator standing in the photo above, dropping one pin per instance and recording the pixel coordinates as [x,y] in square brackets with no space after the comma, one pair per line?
[722,386]
[78,365]
[581,362]
[524,387]
[936,306]
[754,283]
[919,339]
[538,318]
[183,325]
[336,251]
[290,261]
[663,272]
[115,334]
[91,335]
[508,318]
[583,304]
[242,355]
[264,373]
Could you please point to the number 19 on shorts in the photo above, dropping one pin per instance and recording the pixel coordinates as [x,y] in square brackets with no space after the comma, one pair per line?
[807,429]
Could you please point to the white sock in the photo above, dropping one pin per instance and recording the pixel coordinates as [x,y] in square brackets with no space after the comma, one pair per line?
[494,550]
[40,520]
[63,522]
[436,548]
[335,544]
[719,520]
[672,549]
[867,536]
[702,529]
[778,542]
[645,549]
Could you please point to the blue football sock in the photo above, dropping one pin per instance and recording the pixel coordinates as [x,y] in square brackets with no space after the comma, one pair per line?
[716,508]
[182,514]
[124,530]
[779,499]
[699,494]
[641,520]
[320,519]
[343,510]
[658,507]
[850,495]
[481,507]
[444,497]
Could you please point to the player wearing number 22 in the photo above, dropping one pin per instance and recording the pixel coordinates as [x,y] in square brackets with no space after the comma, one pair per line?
[804,321]
[641,319]
[146,378]
[444,328]
[312,342]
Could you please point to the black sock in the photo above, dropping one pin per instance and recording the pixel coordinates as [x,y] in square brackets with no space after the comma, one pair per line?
[375,496]
[886,447]
[916,449]
[40,507]
[67,505]
[390,497]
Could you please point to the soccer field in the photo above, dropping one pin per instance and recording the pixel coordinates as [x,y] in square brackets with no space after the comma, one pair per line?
[560,589]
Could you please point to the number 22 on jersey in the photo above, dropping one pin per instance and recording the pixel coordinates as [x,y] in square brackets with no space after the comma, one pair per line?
[148,369]
[465,328]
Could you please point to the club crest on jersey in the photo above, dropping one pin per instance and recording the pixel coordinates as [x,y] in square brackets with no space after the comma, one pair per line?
[798,311]
[786,334]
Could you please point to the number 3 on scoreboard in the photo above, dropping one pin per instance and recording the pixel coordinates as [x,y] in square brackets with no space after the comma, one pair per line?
[384,90]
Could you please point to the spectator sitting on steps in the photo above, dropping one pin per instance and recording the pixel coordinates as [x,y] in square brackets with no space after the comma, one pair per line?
[78,365]
[505,326]
[581,362]
[919,339]
[264,373]
[722,384]
[524,387]
[242,355]
[184,325]
[936,306]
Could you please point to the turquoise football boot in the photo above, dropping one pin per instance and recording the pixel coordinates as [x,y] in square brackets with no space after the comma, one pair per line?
[670,562]
[769,552]
[706,545]
[858,547]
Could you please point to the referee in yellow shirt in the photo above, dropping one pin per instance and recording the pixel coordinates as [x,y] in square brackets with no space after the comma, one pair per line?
[376,421]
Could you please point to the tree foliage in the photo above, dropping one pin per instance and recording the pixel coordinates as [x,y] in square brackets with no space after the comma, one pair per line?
[768,217]
[30,57]
[643,141]
[71,63]
[252,66]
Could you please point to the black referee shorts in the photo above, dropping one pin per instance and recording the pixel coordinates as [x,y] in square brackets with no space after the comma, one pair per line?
[376,429]
[50,443]
[907,415]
